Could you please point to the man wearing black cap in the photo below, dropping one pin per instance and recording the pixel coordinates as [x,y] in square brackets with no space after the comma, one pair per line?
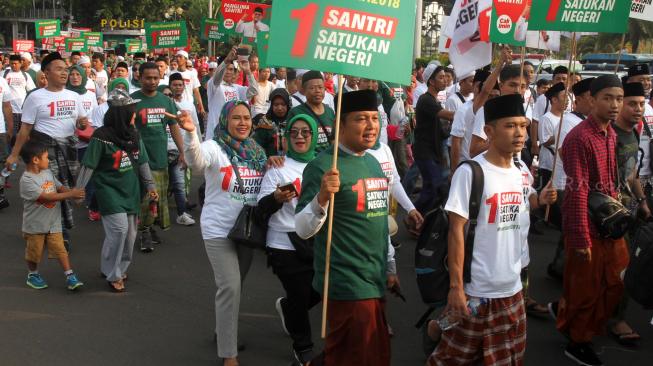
[489,310]
[51,115]
[314,90]
[358,331]
[582,109]
[640,73]
[463,123]
[592,283]
[548,128]
[542,105]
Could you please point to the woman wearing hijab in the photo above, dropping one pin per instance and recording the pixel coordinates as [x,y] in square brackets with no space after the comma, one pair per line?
[290,256]
[232,147]
[270,126]
[110,160]
[77,80]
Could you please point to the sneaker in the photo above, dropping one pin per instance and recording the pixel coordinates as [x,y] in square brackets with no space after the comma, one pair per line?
[583,354]
[73,283]
[146,241]
[35,281]
[278,305]
[93,215]
[185,219]
[4,203]
[155,237]
[302,358]
[553,309]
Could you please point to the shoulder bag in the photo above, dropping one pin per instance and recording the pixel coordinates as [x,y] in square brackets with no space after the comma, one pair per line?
[247,231]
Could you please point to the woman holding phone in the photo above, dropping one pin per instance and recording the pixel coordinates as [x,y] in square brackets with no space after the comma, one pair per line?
[290,256]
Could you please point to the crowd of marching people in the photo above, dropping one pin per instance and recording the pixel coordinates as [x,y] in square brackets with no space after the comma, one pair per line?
[499,149]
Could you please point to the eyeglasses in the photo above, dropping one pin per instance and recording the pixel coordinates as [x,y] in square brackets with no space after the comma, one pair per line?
[305,132]
[168,95]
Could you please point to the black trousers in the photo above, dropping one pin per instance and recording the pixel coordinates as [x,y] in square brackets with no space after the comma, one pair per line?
[296,276]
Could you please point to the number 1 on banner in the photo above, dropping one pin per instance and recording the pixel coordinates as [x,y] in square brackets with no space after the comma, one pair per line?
[306,18]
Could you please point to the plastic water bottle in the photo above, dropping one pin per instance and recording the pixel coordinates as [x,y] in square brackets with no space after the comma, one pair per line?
[6,172]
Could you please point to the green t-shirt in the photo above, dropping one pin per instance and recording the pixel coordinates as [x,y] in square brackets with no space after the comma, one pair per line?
[360,226]
[327,119]
[33,75]
[151,123]
[116,182]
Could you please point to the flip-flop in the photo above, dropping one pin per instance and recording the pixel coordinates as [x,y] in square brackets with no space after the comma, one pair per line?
[532,310]
[628,339]
[112,286]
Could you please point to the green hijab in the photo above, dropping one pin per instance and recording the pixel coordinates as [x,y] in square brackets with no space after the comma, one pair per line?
[80,89]
[118,81]
[310,153]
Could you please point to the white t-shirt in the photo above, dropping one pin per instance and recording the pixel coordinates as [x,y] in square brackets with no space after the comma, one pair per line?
[190,108]
[454,102]
[541,106]
[19,83]
[568,123]
[547,128]
[420,89]
[479,124]
[190,82]
[217,97]
[644,145]
[383,120]
[463,123]
[5,96]
[384,156]
[89,103]
[248,29]
[53,113]
[262,99]
[102,78]
[90,86]
[328,100]
[223,200]
[97,116]
[283,221]
[500,249]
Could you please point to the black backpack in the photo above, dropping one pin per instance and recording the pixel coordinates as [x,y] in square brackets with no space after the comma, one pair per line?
[639,274]
[431,252]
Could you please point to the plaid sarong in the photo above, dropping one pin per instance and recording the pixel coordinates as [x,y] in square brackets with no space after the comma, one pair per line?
[496,336]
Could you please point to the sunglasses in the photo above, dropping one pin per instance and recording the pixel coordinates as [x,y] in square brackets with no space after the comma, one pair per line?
[168,95]
[305,132]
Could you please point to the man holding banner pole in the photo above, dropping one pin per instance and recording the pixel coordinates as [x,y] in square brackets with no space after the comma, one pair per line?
[358,330]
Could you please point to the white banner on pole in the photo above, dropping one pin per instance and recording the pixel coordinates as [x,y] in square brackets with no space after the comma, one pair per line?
[642,9]
[543,40]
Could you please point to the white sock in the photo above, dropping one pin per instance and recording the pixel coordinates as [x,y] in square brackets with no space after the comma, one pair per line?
[33,272]
[68,272]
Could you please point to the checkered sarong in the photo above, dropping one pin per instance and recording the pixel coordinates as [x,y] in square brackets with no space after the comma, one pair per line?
[496,336]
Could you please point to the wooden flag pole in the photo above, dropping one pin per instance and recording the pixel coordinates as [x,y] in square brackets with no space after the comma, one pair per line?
[521,66]
[621,49]
[572,55]
[334,165]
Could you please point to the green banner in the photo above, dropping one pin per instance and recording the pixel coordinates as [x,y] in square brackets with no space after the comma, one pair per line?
[604,16]
[76,44]
[94,39]
[509,22]
[166,34]
[357,38]
[134,45]
[210,30]
[47,28]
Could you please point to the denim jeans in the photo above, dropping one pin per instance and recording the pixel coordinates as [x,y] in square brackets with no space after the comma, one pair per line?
[178,186]
[432,177]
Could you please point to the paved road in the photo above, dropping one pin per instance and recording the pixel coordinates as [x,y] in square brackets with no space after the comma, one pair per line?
[166,316]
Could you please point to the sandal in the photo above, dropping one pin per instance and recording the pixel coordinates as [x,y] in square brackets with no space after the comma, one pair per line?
[627,339]
[117,286]
[537,310]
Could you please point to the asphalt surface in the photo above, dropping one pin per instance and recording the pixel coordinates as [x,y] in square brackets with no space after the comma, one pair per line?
[166,317]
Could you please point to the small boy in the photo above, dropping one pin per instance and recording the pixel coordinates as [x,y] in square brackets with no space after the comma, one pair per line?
[42,194]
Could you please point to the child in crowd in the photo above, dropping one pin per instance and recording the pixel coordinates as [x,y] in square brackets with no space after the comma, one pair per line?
[42,194]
